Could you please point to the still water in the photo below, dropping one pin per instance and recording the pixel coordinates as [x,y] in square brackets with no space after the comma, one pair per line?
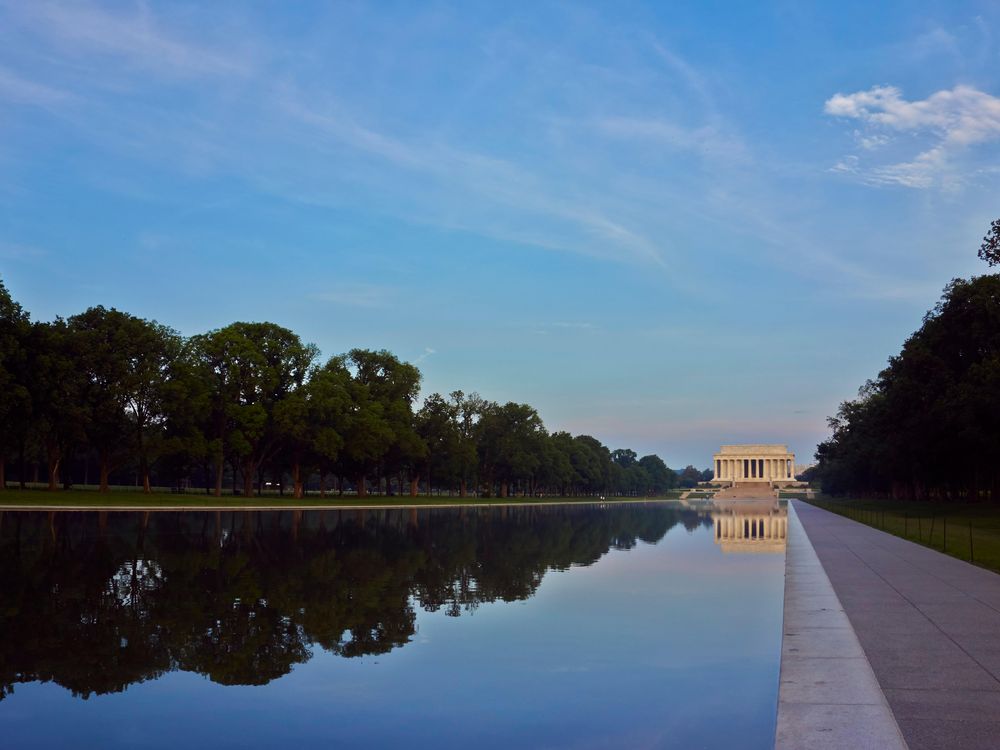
[561,627]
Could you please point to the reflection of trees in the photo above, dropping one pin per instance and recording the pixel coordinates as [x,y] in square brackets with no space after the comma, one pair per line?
[98,601]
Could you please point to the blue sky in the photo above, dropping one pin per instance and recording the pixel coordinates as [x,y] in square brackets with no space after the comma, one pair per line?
[667,225]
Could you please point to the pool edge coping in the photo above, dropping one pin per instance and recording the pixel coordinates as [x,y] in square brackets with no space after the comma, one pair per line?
[353,506]
[828,696]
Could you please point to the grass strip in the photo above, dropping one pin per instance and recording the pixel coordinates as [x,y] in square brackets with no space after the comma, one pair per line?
[123,499]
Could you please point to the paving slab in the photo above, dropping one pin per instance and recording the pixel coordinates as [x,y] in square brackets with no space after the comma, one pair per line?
[929,625]
[824,726]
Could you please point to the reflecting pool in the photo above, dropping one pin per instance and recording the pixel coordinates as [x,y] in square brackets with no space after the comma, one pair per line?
[564,626]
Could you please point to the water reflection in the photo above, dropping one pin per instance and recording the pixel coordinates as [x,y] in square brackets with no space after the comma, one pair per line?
[98,601]
[755,526]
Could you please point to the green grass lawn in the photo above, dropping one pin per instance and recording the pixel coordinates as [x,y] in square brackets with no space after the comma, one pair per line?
[968,531]
[88,498]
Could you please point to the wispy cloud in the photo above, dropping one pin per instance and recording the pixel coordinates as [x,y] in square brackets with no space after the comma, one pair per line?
[426,353]
[459,188]
[708,140]
[14,88]
[138,36]
[952,120]
[21,252]
[355,295]
[465,174]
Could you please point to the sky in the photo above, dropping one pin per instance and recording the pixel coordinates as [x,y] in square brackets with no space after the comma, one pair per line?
[668,225]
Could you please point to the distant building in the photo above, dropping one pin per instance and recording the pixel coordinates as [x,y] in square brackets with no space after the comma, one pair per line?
[761,463]
[803,468]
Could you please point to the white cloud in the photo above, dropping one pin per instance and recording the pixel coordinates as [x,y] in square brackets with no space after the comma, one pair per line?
[847,165]
[961,116]
[946,123]
[871,142]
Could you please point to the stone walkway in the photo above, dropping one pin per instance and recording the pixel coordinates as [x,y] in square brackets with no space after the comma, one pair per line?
[928,623]
[828,697]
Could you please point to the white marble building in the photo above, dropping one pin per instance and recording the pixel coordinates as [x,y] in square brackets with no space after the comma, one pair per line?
[769,464]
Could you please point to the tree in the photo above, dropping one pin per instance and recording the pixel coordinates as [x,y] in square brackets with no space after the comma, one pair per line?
[510,445]
[591,464]
[624,457]
[661,478]
[391,386]
[437,425]
[58,389]
[248,399]
[313,420]
[690,476]
[126,362]
[557,464]
[990,249]
[926,426]
[15,398]
[252,368]
[467,410]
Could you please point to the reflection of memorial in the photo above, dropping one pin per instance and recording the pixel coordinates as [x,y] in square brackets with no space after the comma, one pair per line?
[750,525]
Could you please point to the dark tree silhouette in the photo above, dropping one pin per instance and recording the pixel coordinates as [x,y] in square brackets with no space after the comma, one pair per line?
[990,249]
[242,597]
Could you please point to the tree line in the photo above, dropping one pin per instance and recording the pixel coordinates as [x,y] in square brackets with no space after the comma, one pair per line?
[241,597]
[927,426]
[250,405]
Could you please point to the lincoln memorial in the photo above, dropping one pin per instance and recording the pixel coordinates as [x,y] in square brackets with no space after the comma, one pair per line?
[754,463]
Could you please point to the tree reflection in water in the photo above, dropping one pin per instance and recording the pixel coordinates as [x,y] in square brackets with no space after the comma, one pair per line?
[98,601]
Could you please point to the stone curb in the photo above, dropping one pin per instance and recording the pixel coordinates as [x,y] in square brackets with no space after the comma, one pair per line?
[828,697]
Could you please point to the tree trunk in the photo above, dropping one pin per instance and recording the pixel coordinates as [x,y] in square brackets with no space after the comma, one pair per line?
[414,485]
[362,489]
[503,489]
[462,489]
[219,471]
[297,480]
[105,470]
[143,459]
[53,469]
[248,477]
[322,484]
[144,471]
